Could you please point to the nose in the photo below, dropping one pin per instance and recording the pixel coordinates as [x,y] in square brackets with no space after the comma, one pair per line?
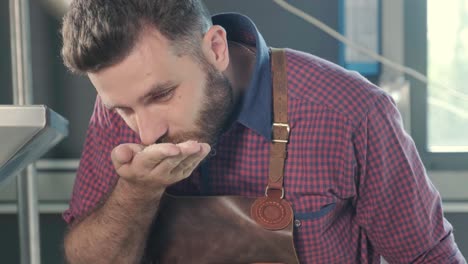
[150,127]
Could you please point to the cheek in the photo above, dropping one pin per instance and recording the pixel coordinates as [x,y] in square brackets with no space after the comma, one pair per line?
[189,103]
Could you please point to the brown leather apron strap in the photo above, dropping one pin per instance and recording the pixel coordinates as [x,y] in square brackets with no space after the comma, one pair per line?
[273,212]
[280,129]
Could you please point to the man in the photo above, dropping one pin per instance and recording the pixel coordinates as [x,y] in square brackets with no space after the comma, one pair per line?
[176,90]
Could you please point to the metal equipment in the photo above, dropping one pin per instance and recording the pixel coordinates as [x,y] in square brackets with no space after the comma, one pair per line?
[26,132]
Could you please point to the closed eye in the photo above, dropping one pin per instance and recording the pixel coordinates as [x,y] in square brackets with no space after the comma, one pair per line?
[163,96]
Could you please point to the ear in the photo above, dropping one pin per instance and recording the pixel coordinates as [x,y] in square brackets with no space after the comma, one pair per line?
[215,47]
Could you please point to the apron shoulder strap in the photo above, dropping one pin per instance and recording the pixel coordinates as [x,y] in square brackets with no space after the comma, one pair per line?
[273,211]
[280,129]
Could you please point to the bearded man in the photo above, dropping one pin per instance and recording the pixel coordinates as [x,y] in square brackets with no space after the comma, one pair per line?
[192,156]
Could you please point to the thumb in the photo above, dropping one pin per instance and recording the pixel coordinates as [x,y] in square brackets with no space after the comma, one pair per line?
[124,153]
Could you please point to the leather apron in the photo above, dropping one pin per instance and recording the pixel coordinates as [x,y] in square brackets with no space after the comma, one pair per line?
[232,229]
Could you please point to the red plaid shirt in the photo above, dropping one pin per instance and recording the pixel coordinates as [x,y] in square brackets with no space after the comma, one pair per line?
[353,176]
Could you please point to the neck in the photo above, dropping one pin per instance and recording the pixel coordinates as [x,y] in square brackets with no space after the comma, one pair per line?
[241,68]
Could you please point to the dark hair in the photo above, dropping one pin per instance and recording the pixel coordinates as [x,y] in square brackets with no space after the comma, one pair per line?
[99,33]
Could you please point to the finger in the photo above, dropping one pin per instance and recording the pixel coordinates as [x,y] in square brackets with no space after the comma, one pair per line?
[154,154]
[163,170]
[189,164]
[124,153]
[166,149]
[187,149]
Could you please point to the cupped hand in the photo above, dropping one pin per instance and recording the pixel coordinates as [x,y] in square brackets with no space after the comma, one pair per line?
[159,165]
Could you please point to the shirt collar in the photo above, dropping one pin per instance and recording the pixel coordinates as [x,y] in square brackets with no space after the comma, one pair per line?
[255,112]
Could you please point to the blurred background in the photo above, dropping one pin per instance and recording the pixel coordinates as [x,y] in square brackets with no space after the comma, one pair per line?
[430,36]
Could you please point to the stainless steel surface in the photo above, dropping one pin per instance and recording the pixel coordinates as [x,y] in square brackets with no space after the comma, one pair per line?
[57,165]
[26,133]
[20,52]
[28,216]
[455,207]
[22,95]
[22,150]
[18,126]
[44,208]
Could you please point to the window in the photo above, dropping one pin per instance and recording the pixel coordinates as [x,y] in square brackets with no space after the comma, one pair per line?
[436,43]
[447,53]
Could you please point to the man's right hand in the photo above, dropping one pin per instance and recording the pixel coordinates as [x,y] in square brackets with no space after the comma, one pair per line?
[151,169]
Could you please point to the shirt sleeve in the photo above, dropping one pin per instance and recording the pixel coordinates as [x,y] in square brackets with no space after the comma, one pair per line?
[95,175]
[397,205]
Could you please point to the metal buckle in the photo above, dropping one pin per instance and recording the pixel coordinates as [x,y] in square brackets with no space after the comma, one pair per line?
[282,192]
[287,129]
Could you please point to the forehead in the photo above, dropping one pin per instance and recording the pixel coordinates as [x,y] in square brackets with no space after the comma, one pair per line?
[152,61]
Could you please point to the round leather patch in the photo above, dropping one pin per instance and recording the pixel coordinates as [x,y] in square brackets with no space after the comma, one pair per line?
[272,213]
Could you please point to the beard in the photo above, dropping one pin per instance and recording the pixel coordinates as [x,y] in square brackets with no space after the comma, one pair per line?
[216,110]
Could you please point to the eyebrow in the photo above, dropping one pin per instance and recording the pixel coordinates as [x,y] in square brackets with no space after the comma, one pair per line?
[154,90]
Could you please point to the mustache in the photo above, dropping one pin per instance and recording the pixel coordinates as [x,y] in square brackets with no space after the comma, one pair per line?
[185,136]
